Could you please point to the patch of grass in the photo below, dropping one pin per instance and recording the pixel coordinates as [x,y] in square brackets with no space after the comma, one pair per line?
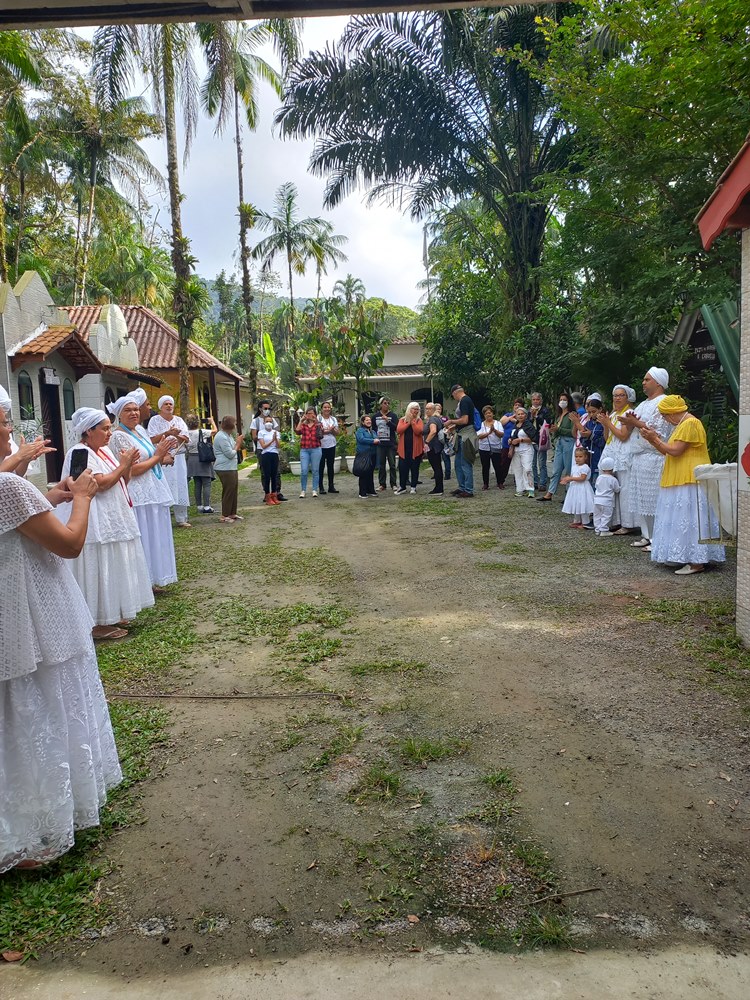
[387,667]
[504,890]
[711,641]
[41,908]
[344,740]
[501,567]
[244,620]
[313,645]
[536,860]
[160,639]
[501,780]
[543,931]
[422,751]
[512,549]
[484,543]
[379,784]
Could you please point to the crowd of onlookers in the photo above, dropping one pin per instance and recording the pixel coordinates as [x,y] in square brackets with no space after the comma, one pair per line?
[626,468]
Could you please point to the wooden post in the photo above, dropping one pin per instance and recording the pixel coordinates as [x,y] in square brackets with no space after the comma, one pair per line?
[238,406]
[212,393]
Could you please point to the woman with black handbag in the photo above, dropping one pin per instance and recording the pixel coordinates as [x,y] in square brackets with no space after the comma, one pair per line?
[200,461]
[364,457]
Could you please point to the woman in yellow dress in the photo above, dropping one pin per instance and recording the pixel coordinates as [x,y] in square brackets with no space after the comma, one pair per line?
[680,500]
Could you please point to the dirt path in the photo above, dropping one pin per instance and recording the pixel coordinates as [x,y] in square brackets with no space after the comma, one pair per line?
[519,691]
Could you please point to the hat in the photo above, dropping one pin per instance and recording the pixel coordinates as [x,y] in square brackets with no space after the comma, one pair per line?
[606,465]
[163,399]
[630,393]
[85,418]
[4,400]
[672,404]
[455,387]
[138,396]
[660,375]
[594,397]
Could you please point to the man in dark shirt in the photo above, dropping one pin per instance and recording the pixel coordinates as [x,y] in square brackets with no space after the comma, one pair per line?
[464,428]
[384,424]
[539,414]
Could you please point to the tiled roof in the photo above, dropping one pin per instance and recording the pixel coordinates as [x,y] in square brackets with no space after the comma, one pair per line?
[156,340]
[404,340]
[83,318]
[158,343]
[63,339]
[398,371]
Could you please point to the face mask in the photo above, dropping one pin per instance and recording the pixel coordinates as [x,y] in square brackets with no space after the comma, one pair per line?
[269,425]
[563,404]
[266,412]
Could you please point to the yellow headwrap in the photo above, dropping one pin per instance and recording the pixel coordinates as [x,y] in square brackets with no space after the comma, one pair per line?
[672,404]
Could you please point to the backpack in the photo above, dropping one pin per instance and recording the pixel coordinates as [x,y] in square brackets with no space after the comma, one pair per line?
[477,420]
[544,437]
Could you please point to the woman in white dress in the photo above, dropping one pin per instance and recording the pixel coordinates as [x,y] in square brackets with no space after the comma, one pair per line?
[58,757]
[618,448]
[111,570]
[166,425]
[148,490]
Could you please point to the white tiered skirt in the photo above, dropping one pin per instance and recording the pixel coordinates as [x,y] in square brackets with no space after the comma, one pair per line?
[155,526]
[115,580]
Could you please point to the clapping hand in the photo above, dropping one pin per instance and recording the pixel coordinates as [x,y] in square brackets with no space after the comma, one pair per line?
[128,457]
[30,451]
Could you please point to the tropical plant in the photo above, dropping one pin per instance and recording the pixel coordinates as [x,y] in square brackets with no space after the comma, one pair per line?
[350,291]
[234,70]
[291,237]
[435,106]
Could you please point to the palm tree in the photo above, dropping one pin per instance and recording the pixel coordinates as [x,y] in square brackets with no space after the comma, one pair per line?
[290,236]
[234,72]
[325,250]
[436,106]
[165,53]
[350,291]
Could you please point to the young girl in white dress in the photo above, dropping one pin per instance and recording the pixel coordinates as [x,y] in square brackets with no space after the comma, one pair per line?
[579,500]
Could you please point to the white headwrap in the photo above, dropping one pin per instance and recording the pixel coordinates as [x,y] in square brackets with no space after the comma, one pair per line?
[4,400]
[594,395]
[139,395]
[627,390]
[85,418]
[660,375]
[163,400]
[116,407]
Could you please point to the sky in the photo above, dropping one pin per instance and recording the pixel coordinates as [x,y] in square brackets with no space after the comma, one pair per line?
[384,246]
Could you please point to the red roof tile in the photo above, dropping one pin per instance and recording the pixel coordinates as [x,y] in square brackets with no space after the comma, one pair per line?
[63,339]
[83,318]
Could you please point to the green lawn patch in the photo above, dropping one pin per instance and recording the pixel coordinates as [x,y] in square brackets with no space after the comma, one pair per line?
[387,667]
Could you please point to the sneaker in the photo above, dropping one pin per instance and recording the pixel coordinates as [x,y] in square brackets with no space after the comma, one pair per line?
[281,497]
[208,510]
[315,493]
[322,493]
[413,489]
[530,494]
[331,490]
[361,497]
[456,493]
[435,493]
[372,494]
[605,534]
[589,527]
[395,489]
[398,491]
[302,495]
[519,494]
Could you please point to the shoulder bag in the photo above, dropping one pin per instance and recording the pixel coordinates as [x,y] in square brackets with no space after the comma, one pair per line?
[206,451]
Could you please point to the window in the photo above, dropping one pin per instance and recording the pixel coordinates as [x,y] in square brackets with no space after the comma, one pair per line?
[69,399]
[25,396]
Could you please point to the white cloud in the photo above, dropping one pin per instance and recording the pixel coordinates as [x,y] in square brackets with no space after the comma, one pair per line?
[384,248]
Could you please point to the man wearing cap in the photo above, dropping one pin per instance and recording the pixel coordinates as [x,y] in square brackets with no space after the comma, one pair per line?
[384,424]
[466,441]
[646,461]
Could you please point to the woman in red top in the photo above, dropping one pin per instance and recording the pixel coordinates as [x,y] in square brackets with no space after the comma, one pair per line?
[410,447]
[310,451]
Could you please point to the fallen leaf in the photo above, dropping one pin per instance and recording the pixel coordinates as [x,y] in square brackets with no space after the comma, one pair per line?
[711,802]
[724,776]
[313,864]
[412,918]
[604,916]
[12,956]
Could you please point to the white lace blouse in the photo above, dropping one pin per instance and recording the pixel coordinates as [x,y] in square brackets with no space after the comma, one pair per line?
[151,487]
[44,619]
[111,517]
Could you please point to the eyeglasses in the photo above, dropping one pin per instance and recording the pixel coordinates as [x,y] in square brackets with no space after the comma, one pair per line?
[7,423]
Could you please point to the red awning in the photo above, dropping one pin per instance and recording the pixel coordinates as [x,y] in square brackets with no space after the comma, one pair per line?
[729,205]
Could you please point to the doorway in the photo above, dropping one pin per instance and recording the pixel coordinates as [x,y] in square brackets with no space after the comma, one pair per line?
[52,428]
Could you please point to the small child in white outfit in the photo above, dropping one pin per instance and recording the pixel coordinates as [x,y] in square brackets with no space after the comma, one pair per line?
[579,500]
[604,497]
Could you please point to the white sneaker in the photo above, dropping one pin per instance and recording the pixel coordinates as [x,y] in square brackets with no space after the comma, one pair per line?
[302,495]
[399,491]
[395,489]
[315,493]
[605,534]
[413,489]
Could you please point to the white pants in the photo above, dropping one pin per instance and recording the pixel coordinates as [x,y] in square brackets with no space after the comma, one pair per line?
[522,468]
[602,516]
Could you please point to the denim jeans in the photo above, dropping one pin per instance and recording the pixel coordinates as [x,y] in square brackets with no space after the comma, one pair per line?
[386,453]
[202,488]
[310,460]
[562,463]
[541,477]
[447,465]
[464,470]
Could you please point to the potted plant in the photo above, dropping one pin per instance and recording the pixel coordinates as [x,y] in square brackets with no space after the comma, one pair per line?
[291,447]
[346,447]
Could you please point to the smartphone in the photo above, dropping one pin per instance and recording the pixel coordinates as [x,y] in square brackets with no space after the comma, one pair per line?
[79,462]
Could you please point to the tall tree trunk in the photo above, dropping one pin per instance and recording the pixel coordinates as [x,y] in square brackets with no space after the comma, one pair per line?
[21,214]
[3,257]
[181,304]
[291,346]
[86,242]
[247,295]
[77,251]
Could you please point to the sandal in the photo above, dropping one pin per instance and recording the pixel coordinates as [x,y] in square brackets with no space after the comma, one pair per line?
[688,570]
[544,499]
[111,632]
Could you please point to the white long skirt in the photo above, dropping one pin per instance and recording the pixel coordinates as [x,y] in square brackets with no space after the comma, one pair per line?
[158,545]
[58,758]
[676,527]
[115,580]
[645,474]
[624,512]
[176,477]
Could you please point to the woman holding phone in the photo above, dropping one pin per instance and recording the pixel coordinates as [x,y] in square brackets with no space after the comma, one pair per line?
[58,757]
[111,569]
[148,489]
